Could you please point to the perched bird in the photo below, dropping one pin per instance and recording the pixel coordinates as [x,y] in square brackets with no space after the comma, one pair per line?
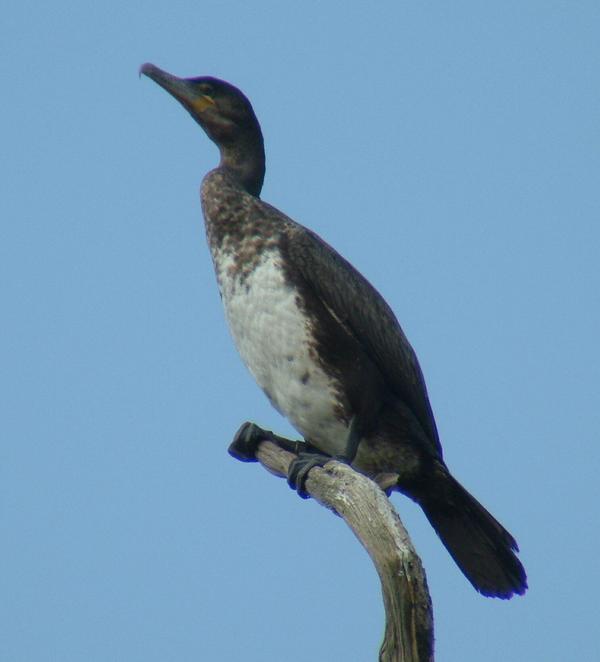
[323,344]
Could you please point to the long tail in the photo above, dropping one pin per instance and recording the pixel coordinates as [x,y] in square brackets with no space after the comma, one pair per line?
[482,548]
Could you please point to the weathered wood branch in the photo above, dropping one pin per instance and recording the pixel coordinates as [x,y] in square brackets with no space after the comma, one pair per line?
[368,512]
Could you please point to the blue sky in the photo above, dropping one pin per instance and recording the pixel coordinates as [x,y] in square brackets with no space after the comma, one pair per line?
[451,152]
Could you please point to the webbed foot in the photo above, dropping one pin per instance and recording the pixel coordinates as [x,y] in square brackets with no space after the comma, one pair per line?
[300,468]
[312,457]
[249,436]
[246,440]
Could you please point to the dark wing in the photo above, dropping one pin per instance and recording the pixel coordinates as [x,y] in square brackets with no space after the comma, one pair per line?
[358,305]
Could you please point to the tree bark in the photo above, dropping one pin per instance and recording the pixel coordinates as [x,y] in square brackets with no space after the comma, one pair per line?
[366,509]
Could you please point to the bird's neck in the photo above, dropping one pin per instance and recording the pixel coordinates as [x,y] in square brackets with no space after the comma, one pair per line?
[245,163]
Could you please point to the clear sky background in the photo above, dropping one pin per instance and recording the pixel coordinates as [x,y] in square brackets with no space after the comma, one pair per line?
[451,151]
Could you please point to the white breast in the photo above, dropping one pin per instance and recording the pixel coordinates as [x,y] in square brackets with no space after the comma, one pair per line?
[272,336]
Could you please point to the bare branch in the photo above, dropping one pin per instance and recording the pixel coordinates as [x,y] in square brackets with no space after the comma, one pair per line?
[369,513]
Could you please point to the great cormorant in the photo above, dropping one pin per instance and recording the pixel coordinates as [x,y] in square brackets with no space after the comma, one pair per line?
[323,344]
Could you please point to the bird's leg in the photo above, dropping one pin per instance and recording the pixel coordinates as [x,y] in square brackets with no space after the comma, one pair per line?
[301,466]
[352,442]
[248,437]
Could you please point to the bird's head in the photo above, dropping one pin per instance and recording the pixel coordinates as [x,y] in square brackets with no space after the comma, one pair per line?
[220,108]
[226,116]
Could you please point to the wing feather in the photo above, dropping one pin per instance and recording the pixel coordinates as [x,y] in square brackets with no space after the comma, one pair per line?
[356,304]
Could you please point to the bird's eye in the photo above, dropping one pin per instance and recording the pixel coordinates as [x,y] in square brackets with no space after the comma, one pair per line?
[207,90]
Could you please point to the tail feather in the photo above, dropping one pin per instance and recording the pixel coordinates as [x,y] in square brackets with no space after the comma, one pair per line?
[482,548]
